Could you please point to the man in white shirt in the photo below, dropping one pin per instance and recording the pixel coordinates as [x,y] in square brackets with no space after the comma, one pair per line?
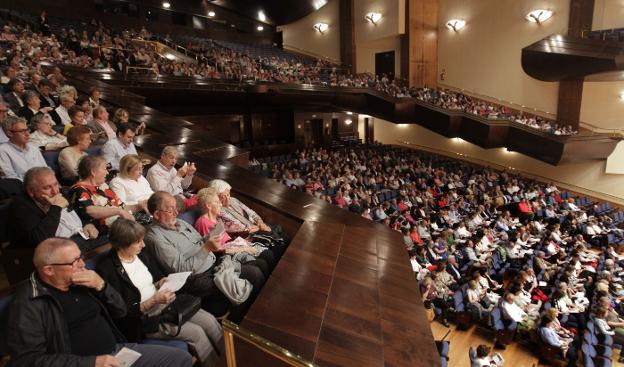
[115,149]
[4,112]
[60,115]
[18,155]
[163,176]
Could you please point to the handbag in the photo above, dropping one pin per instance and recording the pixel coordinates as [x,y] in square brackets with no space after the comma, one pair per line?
[181,310]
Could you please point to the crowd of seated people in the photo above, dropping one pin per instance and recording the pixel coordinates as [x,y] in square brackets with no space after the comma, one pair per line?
[452,100]
[57,149]
[103,48]
[495,242]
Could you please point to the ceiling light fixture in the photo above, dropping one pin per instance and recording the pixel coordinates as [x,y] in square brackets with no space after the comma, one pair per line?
[166,5]
[539,16]
[261,16]
[455,24]
[373,17]
[260,28]
[211,14]
[321,27]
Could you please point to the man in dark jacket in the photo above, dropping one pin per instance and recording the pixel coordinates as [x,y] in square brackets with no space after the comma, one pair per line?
[63,317]
[42,212]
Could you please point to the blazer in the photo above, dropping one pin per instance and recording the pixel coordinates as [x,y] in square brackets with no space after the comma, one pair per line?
[98,131]
[28,224]
[134,325]
[26,113]
[13,102]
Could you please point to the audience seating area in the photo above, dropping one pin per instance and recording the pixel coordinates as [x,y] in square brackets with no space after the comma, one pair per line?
[511,236]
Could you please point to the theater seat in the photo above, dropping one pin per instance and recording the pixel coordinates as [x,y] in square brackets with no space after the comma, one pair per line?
[190,216]
[5,301]
[51,159]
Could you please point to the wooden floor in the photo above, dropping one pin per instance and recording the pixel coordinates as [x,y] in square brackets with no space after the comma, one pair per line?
[515,355]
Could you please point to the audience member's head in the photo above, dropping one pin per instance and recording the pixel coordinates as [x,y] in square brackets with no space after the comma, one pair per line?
[80,137]
[163,207]
[57,260]
[131,167]
[40,184]
[92,169]
[127,235]
[17,130]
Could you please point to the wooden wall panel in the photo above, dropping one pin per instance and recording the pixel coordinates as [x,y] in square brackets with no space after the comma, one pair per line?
[422,30]
[347,34]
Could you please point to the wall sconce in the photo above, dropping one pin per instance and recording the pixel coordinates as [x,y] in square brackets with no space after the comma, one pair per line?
[539,16]
[622,96]
[166,5]
[373,17]
[260,28]
[455,24]
[348,122]
[321,27]
[211,14]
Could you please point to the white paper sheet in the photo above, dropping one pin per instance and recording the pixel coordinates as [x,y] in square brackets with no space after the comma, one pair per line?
[175,281]
[127,357]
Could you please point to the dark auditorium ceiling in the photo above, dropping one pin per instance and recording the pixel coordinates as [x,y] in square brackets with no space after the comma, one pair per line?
[277,12]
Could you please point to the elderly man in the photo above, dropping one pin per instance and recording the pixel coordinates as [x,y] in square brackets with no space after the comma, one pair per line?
[33,106]
[63,316]
[60,115]
[103,129]
[18,155]
[44,88]
[45,136]
[179,247]
[15,97]
[115,149]
[163,176]
[42,212]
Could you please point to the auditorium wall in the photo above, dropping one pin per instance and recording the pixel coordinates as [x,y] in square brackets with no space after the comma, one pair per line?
[484,57]
[585,177]
[301,35]
[608,14]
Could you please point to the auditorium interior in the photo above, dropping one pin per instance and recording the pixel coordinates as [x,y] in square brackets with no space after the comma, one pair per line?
[335,182]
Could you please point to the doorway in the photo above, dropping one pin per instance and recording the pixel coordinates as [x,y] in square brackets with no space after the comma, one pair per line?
[384,64]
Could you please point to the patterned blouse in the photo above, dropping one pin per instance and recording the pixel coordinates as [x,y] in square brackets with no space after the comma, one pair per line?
[83,196]
[237,217]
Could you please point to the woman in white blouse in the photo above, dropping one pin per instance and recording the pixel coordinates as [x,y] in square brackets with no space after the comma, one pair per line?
[130,185]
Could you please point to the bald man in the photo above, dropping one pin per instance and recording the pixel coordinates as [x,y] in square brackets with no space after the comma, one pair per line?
[63,316]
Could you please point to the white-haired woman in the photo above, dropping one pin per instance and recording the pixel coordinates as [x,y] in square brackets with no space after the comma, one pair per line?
[239,218]
[239,247]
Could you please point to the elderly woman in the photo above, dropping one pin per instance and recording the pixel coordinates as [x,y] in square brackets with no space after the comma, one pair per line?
[93,200]
[137,278]
[239,248]
[238,217]
[79,139]
[44,136]
[130,185]
[122,116]
[77,118]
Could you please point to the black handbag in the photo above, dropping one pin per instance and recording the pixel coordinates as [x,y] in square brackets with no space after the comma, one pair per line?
[181,310]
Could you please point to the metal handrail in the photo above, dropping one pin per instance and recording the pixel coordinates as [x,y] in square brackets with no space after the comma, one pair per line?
[230,330]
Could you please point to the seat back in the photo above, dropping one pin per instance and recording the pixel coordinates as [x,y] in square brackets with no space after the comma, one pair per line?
[190,216]
[51,159]
[5,302]
[17,263]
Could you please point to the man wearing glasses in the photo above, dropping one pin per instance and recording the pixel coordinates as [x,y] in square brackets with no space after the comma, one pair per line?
[18,155]
[63,316]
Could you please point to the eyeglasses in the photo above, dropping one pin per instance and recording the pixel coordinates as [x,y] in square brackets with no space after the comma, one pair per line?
[72,263]
[170,212]
[19,131]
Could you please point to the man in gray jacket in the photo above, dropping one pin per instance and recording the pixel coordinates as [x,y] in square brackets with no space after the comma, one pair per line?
[64,316]
[178,247]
